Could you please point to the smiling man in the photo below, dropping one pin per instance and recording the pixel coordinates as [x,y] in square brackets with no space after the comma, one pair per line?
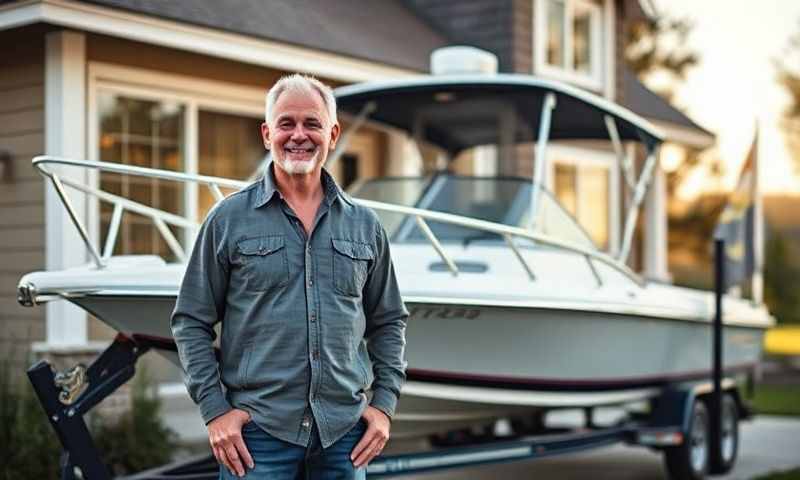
[302,280]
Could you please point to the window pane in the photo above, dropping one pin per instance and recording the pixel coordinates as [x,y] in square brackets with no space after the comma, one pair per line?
[564,187]
[148,134]
[594,204]
[230,147]
[555,33]
[581,38]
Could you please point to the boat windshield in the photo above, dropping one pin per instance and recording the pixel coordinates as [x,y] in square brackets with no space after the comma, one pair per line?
[504,200]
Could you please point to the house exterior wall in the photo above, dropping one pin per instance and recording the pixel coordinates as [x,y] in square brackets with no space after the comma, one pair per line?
[21,196]
[522,36]
[622,18]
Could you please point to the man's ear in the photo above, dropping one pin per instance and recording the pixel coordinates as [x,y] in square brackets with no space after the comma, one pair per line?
[265,134]
[335,130]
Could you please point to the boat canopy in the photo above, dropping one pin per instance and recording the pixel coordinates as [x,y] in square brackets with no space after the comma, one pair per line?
[457,112]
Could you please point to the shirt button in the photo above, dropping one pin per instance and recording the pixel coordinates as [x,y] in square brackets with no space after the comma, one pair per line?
[315,355]
[306,422]
[313,317]
[310,283]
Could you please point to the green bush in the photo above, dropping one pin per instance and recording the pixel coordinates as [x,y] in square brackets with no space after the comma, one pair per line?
[132,442]
[138,439]
[30,446]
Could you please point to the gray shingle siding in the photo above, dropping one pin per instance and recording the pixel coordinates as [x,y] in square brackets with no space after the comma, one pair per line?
[22,198]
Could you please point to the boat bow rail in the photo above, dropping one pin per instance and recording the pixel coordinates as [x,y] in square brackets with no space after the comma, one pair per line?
[161,218]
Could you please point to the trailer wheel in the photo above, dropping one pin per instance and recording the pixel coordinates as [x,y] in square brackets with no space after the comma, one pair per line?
[724,457]
[689,461]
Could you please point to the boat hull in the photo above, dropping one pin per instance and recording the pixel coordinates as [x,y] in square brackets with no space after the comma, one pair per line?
[470,365]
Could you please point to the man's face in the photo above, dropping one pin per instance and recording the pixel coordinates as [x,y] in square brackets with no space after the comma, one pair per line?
[300,132]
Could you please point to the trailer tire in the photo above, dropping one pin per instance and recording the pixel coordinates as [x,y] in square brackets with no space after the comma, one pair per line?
[724,456]
[689,461]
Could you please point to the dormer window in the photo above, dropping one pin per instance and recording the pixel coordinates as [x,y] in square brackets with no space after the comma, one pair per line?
[569,41]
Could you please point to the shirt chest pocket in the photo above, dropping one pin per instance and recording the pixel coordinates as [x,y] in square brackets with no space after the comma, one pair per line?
[350,265]
[264,262]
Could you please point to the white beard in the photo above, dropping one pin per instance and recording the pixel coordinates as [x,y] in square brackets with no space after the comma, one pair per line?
[298,167]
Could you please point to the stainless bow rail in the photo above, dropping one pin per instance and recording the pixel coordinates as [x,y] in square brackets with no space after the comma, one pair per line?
[161,218]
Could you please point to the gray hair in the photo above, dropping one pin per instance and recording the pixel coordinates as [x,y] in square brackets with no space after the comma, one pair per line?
[302,84]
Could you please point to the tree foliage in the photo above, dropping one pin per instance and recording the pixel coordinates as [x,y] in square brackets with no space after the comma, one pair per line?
[788,75]
[657,52]
[657,46]
[780,280]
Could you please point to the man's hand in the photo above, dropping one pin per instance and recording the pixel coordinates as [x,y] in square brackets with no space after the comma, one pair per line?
[374,439]
[225,435]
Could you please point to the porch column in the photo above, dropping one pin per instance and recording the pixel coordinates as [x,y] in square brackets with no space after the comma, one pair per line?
[65,136]
[655,229]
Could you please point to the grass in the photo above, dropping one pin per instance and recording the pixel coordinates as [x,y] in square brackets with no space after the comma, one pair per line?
[777,399]
[787,475]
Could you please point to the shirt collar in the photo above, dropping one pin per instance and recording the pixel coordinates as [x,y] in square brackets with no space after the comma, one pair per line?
[269,188]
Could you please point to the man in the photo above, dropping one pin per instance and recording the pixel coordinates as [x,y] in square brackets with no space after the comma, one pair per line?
[300,277]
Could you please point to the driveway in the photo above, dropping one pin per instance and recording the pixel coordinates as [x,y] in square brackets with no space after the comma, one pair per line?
[767,444]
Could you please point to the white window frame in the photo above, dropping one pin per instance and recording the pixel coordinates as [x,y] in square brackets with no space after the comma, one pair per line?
[579,157]
[600,44]
[155,86]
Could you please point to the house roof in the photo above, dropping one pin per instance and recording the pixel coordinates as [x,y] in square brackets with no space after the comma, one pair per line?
[389,32]
[639,99]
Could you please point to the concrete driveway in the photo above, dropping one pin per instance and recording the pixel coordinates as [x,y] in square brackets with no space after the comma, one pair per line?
[767,444]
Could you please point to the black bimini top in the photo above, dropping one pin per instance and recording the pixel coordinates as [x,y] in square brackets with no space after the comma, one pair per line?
[456,112]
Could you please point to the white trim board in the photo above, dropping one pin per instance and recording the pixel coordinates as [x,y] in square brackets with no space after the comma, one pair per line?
[684,135]
[206,41]
[65,134]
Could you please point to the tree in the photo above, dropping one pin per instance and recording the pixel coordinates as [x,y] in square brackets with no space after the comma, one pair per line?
[656,51]
[780,280]
[788,75]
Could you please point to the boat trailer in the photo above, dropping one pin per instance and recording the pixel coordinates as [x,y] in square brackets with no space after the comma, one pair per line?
[66,397]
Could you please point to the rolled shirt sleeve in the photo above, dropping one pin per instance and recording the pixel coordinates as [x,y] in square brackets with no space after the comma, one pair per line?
[386,317]
[200,305]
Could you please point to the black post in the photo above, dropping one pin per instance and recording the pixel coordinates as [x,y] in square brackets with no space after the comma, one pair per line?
[715,405]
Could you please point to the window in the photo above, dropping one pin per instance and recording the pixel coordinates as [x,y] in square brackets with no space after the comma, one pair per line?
[569,41]
[349,170]
[584,183]
[230,146]
[142,133]
[167,129]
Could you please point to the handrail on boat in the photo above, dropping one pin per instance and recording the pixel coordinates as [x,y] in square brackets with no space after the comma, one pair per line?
[161,218]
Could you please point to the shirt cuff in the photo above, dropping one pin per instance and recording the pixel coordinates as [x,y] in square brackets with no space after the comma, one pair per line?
[214,406]
[384,400]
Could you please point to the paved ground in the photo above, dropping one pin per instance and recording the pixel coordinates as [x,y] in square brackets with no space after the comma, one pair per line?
[768,444]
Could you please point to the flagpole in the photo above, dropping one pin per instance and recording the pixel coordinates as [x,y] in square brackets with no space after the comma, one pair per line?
[757,280]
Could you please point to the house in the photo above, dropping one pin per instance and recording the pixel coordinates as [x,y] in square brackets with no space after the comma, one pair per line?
[180,85]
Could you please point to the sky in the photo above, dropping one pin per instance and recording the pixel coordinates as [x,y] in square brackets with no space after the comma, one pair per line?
[735,84]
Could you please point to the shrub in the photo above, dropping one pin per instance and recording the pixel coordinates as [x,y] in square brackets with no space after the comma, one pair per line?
[138,439]
[31,447]
[134,441]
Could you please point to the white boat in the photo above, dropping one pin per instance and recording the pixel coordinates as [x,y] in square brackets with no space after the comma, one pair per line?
[513,309]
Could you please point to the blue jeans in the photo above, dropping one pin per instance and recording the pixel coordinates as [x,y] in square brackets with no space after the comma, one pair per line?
[278,460]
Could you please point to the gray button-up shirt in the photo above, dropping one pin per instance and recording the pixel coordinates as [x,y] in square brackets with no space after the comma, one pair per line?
[308,323]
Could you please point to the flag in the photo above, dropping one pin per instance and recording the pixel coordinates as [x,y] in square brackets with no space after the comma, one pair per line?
[737,224]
